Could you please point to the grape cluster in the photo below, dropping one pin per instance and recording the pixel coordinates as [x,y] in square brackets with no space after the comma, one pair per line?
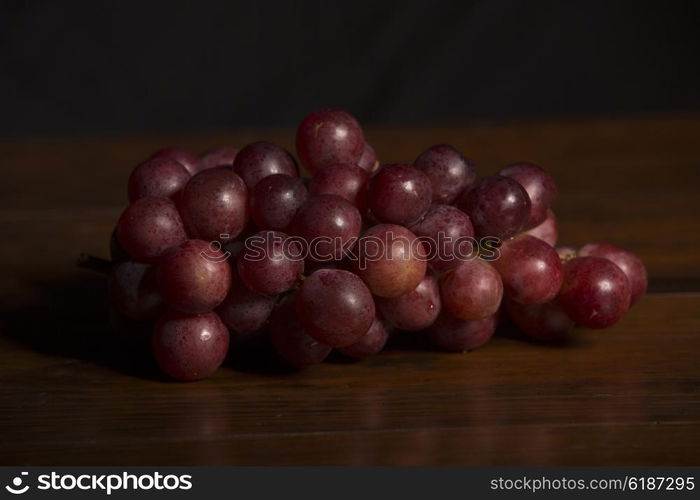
[216,250]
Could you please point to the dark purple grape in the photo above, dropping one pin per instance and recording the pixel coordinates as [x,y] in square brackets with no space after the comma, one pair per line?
[541,321]
[547,231]
[329,136]
[214,203]
[399,194]
[595,292]
[291,341]
[456,335]
[275,200]
[368,160]
[540,188]
[194,277]
[497,206]
[391,260]
[133,290]
[448,234]
[148,227]
[270,263]
[244,312]
[371,342]
[531,270]
[631,265]
[190,347]
[329,224]
[335,307]
[185,157]
[415,310]
[157,177]
[342,179]
[219,157]
[261,159]
[472,291]
[449,172]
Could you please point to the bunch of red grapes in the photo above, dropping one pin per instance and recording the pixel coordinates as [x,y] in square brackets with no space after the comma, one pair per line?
[217,250]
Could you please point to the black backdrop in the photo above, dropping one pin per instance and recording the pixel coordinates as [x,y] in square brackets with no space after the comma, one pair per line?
[99,67]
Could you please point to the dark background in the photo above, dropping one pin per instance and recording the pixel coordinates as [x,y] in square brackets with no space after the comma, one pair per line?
[103,67]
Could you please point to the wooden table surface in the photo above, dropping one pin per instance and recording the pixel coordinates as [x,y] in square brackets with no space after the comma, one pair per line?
[626,395]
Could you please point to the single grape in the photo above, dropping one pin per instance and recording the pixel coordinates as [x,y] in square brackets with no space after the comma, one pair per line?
[448,235]
[399,194]
[415,310]
[390,259]
[330,226]
[193,277]
[531,270]
[190,347]
[547,231]
[631,265]
[371,342]
[148,227]
[219,157]
[157,177]
[335,307]
[329,136]
[368,160]
[290,340]
[261,159]
[133,290]
[185,157]
[595,292]
[540,187]
[472,291]
[244,312]
[275,200]
[456,335]
[541,321]
[214,203]
[497,206]
[342,179]
[270,263]
[449,172]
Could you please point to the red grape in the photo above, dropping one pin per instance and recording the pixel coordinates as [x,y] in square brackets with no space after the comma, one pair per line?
[472,291]
[270,263]
[329,136]
[631,265]
[541,321]
[190,347]
[547,231]
[540,188]
[291,341]
[456,335]
[399,194]
[531,270]
[415,310]
[219,157]
[335,307]
[193,277]
[157,177]
[342,179]
[448,234]
[497,206]
[449,172]
[275,200]
[368,160]
[329,224]
[243,311]
[595,293]
[371,342]
[214,203]
[133,290]
[185,157]
[148,227]
[391,260]
[260,159]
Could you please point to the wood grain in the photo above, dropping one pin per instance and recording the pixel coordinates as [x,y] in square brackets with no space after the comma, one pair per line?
[626,395]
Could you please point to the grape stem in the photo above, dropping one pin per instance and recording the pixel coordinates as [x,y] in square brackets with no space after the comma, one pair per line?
[98,264]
